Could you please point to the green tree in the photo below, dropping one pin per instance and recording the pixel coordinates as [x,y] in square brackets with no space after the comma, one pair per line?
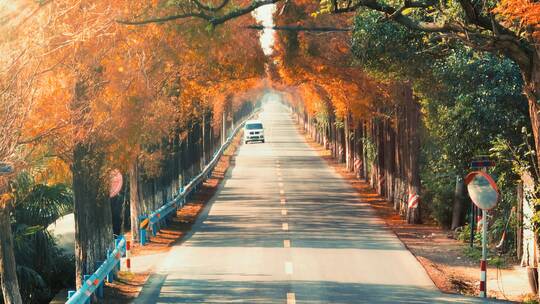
[469,99]
[42,267]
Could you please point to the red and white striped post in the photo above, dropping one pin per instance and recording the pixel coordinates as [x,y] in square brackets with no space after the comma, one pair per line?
[483,262]
[357,164]
[128,255]
[381,181]
[483,279]
[413,200]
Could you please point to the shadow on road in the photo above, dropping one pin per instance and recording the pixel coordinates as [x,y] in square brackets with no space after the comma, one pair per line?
[216,291]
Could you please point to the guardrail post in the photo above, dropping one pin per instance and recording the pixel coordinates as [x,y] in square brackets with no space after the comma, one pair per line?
[85,278]
[183,191]
[165,219]
[70,294]
[169,218]
[110,275]
[128,255]
[143,236]
[117,265]
[124,247]
[99,289]
[142,231]
[154,228]
[178,202]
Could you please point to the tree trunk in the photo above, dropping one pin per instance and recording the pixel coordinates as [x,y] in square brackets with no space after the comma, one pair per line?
[325,136]
[388,160]
[8,267]
[347,135]
[341,143]
[534,112]
[413,215]
[531,76]
[203,142]
[519,216]
[413,117]
[373,173]
[381,177]
[334,139]
[93,221]
[359,159]
[459,204]
[134,199]
[365,163]
[223,126]
[92,208]
[399,153]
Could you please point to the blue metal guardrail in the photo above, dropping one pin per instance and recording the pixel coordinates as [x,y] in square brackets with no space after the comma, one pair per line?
[95,282]
[107,269]
[153,219]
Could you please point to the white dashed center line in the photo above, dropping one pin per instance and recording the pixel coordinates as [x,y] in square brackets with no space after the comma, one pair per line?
[280,184]
[291,299]
[288,268]
[281,192]
[282,201]
[287,243]
[285,226]
[283,211]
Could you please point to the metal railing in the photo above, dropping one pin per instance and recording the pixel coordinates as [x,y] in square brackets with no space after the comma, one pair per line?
[96,281]
[107,270]
[153,219]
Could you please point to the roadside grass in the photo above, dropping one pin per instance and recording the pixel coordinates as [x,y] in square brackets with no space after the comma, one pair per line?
[494,259]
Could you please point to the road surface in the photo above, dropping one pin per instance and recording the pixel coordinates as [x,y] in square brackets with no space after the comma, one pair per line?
[285,228]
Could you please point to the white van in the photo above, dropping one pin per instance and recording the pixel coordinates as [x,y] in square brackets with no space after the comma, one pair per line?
[253,131]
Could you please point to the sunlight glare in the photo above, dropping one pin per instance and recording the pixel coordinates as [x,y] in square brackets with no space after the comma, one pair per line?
[265,16]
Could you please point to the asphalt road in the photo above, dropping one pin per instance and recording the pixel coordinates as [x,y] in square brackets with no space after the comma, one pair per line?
[285,228]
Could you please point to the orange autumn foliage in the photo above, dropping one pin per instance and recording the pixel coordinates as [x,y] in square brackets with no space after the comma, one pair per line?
[323,70]
[524,12]
[142,82]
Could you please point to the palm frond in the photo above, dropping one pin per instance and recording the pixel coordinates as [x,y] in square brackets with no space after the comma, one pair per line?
[39,204]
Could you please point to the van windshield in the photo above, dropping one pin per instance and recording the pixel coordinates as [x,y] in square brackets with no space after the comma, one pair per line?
[254,126]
